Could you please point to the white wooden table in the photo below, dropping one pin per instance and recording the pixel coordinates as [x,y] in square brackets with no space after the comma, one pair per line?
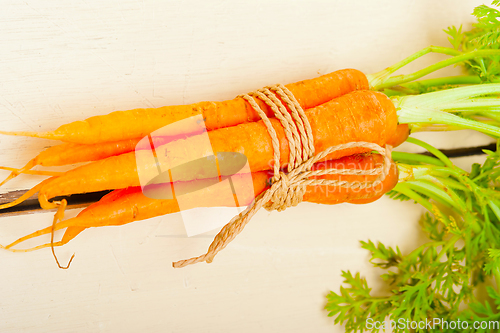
[62,61]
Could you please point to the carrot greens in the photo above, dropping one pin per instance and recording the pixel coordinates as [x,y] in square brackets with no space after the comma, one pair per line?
[478,50]
[484,35]
[431,104]
[455,275]
[438,279]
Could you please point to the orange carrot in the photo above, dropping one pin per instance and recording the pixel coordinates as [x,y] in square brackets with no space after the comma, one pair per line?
[128,205]
[137,123]
[72,153]
[73,231]
[331,195]
[358,116]
[400,136]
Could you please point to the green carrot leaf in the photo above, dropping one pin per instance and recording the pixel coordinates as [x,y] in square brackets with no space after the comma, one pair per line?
[455,36]
[382,256]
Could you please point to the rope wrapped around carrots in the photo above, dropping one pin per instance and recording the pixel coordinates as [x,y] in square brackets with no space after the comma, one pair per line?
[342,119]
[288,189]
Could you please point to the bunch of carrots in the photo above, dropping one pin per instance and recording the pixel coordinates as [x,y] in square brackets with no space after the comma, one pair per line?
[341,107]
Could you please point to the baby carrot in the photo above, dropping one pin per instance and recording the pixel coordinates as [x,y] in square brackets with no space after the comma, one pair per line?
[128,205]
[121,125]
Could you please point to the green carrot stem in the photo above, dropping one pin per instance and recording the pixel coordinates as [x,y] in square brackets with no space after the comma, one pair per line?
[442,157]
[450,183]
[441,99]
[448,245]
[406,190]
[495,209]
[491,104]
[432,191]
[442,81]
[381,82]
[415,158]
[378,78]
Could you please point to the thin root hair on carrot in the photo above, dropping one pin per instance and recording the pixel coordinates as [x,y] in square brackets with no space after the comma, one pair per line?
[59,216]
[26,170]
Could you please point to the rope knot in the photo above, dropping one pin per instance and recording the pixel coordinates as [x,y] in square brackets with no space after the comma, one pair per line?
[285,192]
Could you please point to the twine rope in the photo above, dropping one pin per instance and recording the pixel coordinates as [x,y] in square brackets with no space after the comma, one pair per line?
[288,189]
